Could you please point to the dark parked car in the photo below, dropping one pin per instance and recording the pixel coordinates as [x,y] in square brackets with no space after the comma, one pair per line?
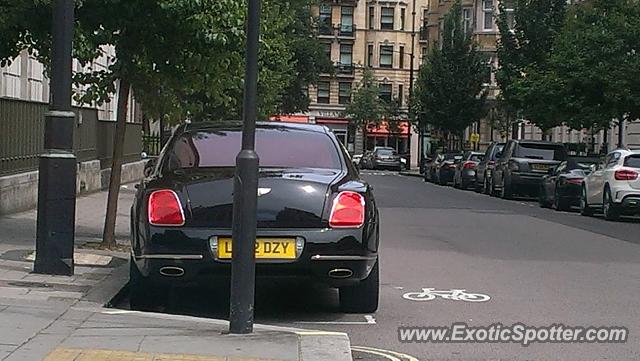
[562,187]
[428,172]
[444,169]
[523,164]
[465,170]
[317,220]
[385,158]
[486,166]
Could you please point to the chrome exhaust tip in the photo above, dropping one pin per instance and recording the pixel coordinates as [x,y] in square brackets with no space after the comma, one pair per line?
[340,273]
[171,271]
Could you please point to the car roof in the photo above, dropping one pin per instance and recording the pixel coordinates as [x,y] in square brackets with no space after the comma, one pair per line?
[541,142]
[237,125]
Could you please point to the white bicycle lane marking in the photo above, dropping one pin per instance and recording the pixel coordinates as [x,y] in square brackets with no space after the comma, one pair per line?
[368,320]
[388,354]
[456,294]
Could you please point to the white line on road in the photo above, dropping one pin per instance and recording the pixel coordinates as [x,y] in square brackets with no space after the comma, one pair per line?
[369,320]
[390,355]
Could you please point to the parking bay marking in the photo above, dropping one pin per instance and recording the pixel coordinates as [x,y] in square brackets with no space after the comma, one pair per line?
[390,355]
[368,320]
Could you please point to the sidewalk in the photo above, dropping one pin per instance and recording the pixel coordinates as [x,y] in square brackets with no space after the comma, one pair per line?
[58,318]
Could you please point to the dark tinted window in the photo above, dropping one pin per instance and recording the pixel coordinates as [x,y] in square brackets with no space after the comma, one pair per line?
[632,161]
[386,152]
[278,147]
[541,151]
[498,149]
[452,156]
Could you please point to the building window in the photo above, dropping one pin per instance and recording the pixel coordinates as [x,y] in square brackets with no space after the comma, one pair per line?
[487,12]
[386,18]
[346,20]
[346,58]
[323,92]
[400,94]
[344,93]
[386,56]
[402,17]
[488,72]
[401,57]
[423,52]
[327,50]
[324,20]
[372,16]
[385,92]
[509,8]
[370,55]
[467,21]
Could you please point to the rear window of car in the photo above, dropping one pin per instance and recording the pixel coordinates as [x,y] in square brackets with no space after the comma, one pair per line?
[632,161]
[386,152]
[541,152]
[452,156]
[277,147]
[476,157]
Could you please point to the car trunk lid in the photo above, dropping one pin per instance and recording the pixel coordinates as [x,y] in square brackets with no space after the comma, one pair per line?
[288,198]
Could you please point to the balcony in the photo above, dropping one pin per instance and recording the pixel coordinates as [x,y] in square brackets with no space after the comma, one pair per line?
[424,34]
[345,70]
[346,31]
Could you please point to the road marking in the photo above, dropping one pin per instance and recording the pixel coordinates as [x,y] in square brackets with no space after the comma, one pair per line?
[456,294]
[388,354]
[368,320]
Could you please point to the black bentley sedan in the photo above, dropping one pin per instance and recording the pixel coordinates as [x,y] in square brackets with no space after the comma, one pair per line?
[317,220]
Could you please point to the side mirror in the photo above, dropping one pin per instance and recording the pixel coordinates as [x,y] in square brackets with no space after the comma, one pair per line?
[148,167]
[593,167]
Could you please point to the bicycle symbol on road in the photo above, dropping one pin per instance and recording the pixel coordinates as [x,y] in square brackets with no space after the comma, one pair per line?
[430,294]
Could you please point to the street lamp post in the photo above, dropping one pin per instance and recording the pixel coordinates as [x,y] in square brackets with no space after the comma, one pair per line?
[413,49]
[245,192]
[57,169]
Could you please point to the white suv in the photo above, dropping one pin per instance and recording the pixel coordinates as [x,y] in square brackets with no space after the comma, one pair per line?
[613,185]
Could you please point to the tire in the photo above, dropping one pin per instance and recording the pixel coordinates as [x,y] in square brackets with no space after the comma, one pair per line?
[610,210]
[463,185]
[476,186]
[585,209]
[506,191]
[144,296]
[486,186]
[560,204]
[363,297]
[542,199]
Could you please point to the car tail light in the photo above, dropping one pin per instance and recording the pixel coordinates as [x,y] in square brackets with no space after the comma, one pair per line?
[577,181]
[347,210]
[469,165]
[626,174]
[165,209]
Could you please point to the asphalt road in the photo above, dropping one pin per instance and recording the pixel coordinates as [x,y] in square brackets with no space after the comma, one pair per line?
[538,266]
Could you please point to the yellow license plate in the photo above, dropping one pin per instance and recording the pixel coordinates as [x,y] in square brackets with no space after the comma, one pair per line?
[266,248]
[540,166]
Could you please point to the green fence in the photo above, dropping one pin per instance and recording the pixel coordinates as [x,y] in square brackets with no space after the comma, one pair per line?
[22,136]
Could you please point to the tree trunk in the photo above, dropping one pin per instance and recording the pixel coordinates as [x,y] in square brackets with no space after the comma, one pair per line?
[621,132]
[108,235]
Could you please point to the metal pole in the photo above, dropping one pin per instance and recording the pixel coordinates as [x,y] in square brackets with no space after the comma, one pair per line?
[621,131]
[57,169]
[245,192]
[413,54]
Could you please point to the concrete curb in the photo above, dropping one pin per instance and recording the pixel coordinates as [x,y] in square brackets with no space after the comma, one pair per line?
[323,346]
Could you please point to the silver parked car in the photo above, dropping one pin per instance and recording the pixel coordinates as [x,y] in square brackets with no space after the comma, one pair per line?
[613,186]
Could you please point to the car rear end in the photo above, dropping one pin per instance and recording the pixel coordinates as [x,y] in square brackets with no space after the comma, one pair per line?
[447,168]
[531,162]
[386,158]
[317,222]
[469,167]
[625,184]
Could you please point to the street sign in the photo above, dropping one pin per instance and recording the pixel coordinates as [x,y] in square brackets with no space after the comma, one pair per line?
[474,138]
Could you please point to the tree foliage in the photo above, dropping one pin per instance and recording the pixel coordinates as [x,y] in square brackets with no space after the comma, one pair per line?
[449,92]
[596,63]
[366,107]
[524,48]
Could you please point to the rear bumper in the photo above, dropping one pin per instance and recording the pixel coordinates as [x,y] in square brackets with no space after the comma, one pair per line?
[468,175]
[387,164]
[446,175]
[189,251]
[526,179]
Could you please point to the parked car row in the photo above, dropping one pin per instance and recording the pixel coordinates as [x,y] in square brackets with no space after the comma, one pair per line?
[545,170]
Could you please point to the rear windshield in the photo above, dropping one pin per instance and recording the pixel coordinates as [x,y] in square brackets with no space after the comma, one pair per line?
[452,156]
[279,148]
[476,157]
[632,161]
[386,152]
[541,152]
